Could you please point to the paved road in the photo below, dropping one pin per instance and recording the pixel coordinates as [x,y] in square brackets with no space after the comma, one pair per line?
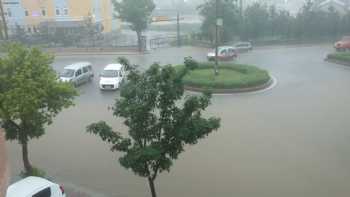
[290,141]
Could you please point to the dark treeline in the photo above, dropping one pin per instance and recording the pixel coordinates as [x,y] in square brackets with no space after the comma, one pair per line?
[261,22]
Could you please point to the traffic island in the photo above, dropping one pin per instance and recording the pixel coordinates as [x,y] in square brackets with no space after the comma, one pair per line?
[232,78]
[342,58]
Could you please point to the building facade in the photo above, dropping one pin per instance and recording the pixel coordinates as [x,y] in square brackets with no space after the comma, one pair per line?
[30,14]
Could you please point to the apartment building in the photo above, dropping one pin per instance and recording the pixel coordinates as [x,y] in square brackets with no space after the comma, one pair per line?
[30,14]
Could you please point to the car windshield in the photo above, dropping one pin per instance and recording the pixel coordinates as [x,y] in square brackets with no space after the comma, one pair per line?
[110,73]
[67,73]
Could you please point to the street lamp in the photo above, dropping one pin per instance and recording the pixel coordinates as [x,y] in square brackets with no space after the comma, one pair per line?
[218,22]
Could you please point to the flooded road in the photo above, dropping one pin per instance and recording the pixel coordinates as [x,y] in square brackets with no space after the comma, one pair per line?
[293,140]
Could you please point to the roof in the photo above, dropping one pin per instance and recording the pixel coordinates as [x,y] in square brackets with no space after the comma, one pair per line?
[77,65]
[225,47]
[341,3]
[113,67]
[27,186]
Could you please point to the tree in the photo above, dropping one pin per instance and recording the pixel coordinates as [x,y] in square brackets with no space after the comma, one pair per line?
[158,127]
[30,95]
[227,11]
[256,21]
[4,29]
[137,13]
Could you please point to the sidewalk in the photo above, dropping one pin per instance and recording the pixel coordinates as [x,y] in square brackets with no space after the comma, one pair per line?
[4,171]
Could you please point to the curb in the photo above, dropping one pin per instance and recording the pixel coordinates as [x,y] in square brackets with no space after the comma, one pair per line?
[5,173]
[67,54]
[262,87]
[335,61]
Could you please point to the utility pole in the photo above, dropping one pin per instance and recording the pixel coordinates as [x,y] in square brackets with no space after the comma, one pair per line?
[241,8]
[178,29]
[3,21]
[216,37]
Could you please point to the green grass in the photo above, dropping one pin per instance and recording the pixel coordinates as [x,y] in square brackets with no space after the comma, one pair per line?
[231,76]
[342,56]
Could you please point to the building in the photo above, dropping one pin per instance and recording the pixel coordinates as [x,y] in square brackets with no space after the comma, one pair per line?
[30,14]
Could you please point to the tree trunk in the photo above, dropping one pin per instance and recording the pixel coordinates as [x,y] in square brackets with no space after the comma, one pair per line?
[139,40]
[3,20]
[27,166]
[152,188]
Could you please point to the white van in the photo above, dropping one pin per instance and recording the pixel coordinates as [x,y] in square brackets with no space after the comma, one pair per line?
[112,76]
[35,187]
[77,73]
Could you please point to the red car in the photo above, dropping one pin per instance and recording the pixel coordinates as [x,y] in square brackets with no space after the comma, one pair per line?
[343,45]
[225,53]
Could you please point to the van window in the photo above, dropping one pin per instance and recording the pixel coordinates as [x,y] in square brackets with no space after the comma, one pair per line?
[43,193]
[89,67]
[223,52]
[85,69]
[78,73]
[110,73]
[67,73]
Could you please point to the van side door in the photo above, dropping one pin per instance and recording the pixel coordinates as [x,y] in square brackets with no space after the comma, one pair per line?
[79,77]
[86,74]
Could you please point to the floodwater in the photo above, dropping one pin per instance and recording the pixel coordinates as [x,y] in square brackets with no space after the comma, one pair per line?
[293,140]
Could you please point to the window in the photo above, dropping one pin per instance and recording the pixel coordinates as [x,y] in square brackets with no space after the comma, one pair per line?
[85,70]
[231,51]
[57,11]
[223,52]
[9,14]
[43,193]
[43,12]
[26,13]
[65,11]
[78,73]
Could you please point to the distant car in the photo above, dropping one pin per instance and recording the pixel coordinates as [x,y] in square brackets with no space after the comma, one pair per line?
[35,187]
[112,76]
[77,73]
[243,46]
[225,53]
[343,44]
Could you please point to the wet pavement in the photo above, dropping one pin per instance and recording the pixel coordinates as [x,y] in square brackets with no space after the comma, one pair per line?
[292,140]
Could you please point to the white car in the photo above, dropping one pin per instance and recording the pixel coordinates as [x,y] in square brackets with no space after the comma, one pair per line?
[35,187]
[225,53]
[112,76]
[244,46]
[77,73]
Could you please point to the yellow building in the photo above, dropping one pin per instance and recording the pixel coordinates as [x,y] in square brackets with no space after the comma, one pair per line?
[29,14]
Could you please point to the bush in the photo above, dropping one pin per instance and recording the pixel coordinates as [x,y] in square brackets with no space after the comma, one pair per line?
[231,76]
[35,172]
[342,56]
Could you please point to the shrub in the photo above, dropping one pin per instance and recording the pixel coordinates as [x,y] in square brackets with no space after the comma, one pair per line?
[35,172]
[342,56]
[230,76]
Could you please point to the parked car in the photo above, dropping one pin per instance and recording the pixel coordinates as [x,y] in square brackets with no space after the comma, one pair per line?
[225,53]
[35,187]
[112,76]
[243,46]
[343,44]
[77,73]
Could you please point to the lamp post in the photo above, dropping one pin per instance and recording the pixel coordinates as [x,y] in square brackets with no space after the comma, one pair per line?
[218,22]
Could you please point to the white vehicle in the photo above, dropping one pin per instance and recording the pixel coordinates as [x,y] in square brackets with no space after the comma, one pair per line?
[225,53]
[35,187]
[244,46]
[77,73]
[112,76]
